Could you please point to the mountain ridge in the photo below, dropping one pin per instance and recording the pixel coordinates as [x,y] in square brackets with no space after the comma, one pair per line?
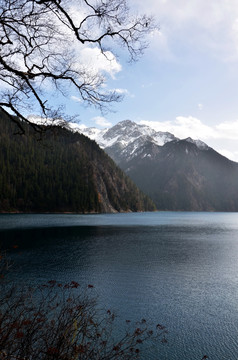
[126,136]
[178,174]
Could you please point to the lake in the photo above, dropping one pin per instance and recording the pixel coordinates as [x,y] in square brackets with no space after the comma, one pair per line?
[176,268]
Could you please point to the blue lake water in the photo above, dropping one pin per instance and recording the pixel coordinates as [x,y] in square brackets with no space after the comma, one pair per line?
[176,268]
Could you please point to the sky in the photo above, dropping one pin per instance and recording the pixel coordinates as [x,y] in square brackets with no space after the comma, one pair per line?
[187,80]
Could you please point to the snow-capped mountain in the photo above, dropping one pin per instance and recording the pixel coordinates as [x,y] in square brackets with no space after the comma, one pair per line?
[177,174]
[126,139]
[125,133]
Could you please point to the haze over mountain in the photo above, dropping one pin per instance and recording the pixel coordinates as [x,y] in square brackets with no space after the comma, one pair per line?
[177,174]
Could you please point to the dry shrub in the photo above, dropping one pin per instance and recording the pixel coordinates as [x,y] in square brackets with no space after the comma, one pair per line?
[63,322]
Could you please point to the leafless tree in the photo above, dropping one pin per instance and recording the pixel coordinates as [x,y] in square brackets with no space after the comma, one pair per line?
[41,47]
[54,323]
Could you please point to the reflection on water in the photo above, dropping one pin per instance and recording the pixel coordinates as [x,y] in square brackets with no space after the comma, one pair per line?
[179,269]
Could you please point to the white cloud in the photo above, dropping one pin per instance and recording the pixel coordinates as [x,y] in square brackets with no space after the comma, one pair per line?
[101,121]
[147,86]
[124,92]
[210,26]
[200,106]
[190,126]
[184,127]
[232,155]
[158,40]
[75,98]
[93,59]
[121,91]
[228,130]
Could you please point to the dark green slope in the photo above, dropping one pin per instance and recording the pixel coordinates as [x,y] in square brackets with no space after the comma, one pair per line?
[63,172]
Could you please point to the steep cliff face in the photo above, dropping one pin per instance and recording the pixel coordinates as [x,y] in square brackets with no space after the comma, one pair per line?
[63,172]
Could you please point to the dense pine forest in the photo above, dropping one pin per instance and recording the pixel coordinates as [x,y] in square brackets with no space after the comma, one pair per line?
[61,171]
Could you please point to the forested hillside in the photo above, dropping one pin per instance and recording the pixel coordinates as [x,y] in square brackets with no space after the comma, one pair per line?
[61,172]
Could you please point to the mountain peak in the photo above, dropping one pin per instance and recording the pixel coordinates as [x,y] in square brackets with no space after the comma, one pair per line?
[126,132]
[178,174]
[126,139]
[126,122]
[200,144]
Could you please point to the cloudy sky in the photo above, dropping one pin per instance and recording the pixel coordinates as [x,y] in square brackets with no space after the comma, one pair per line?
[187,80]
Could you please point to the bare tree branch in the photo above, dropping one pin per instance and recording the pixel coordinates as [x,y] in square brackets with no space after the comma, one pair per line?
[42,43]
[59,322]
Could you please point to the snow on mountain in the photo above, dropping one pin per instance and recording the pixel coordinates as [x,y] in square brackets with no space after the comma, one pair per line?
[127,139]
[95,134]
[178,174]
[200,144]
[125,133]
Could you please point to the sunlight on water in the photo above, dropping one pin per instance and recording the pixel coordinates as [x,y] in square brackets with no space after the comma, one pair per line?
[126,219]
